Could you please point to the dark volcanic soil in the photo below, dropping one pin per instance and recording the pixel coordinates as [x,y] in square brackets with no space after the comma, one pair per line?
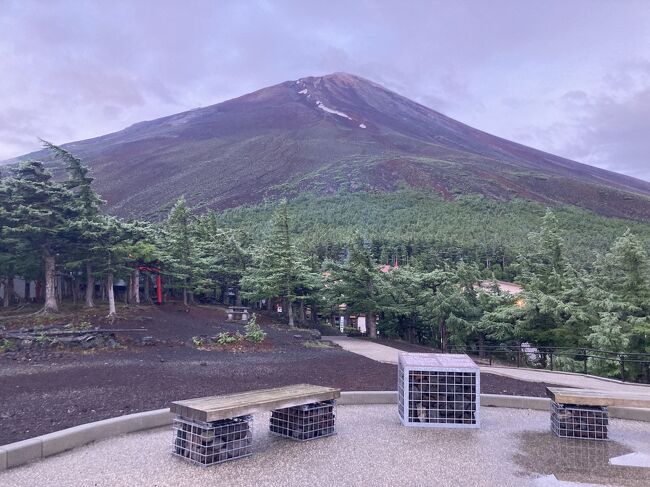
[50,392]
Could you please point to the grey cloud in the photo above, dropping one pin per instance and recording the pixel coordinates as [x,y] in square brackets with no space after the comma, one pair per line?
[531,71]
[615,134]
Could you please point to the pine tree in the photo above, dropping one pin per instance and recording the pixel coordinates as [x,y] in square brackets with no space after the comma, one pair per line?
[88,203]
[221,258]
[356,283]
[115,240]
[554,310]
[179,247]
[620,294]
[278,270]
[40,216]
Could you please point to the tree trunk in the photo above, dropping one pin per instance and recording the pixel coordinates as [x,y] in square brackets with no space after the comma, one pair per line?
[51,305]
[290,312]
[9,291]
[314,314]
[129,290]
[74,285]
[38,291]
[481,345]
[185,294]
[136,286]
[237,296]
[147,288]
[27,291]
[371,325]
[222,295]
[90,286]
[301,311]
[112,313]
[58,286]
[443,335]
[268,304]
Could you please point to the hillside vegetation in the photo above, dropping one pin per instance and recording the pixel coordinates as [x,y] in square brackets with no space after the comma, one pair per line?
[407,223]
[586,278]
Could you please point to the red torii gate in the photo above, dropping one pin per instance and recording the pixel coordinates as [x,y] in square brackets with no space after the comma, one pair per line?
[156,271]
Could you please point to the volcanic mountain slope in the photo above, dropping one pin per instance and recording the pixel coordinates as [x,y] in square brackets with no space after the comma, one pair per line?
[325,134]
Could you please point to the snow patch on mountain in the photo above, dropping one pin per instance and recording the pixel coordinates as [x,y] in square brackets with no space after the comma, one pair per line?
[320,105]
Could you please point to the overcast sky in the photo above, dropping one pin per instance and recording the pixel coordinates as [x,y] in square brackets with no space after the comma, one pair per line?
[568,77]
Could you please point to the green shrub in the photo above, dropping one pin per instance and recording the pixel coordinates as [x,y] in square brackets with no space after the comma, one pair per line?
[226,338]
[253,331]
[6,346]
[352,331]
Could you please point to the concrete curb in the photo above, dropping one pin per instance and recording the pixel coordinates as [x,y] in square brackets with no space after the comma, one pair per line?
[25,451]
[21,452]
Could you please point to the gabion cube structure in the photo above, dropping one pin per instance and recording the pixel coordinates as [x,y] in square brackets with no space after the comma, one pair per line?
[304,422]
[438,390]
[572,421]
[209,443]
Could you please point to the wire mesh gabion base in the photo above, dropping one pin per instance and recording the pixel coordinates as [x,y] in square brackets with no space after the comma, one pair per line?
[209,443]
[442,397]
[305,422]
[438,391]
[585,422]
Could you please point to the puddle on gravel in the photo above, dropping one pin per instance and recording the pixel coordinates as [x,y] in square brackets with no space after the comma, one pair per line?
[571,460]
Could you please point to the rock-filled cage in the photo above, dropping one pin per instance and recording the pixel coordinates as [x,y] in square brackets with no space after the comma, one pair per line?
[305,422]
[438,390]
[586,422]
[215,442]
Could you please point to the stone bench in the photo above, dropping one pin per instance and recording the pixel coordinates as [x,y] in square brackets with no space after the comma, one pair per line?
[238,313]
[582,413]
[215,429]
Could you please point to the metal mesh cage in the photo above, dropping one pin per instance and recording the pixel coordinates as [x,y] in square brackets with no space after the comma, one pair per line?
[437,396]
[305,422]
[586,422]
[400,391]
[209,443]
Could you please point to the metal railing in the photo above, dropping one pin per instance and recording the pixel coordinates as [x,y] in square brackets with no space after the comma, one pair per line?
[627,367]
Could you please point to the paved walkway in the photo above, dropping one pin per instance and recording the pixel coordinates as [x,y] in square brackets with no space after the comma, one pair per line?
[386,354]
[514,447]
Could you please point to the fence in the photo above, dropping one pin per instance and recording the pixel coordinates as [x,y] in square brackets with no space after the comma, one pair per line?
[628,367]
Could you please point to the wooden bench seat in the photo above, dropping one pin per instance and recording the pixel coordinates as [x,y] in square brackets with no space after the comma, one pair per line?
[208,409]
[593,397]
[583,414]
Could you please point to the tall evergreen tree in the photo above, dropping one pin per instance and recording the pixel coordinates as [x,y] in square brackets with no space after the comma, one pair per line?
[41,214]
[620,294]
[88,203]
[278,270]
[356,283]
[179,243]
[554,300]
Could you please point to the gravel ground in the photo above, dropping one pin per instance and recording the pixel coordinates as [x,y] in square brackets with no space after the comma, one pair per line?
[512,448]
[41,394]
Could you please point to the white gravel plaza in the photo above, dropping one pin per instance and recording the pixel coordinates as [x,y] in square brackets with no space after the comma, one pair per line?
[513,448]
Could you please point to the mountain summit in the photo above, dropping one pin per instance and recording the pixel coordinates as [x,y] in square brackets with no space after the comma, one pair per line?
[326,134]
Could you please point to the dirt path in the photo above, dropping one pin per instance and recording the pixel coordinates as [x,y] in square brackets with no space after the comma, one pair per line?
[388,354]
